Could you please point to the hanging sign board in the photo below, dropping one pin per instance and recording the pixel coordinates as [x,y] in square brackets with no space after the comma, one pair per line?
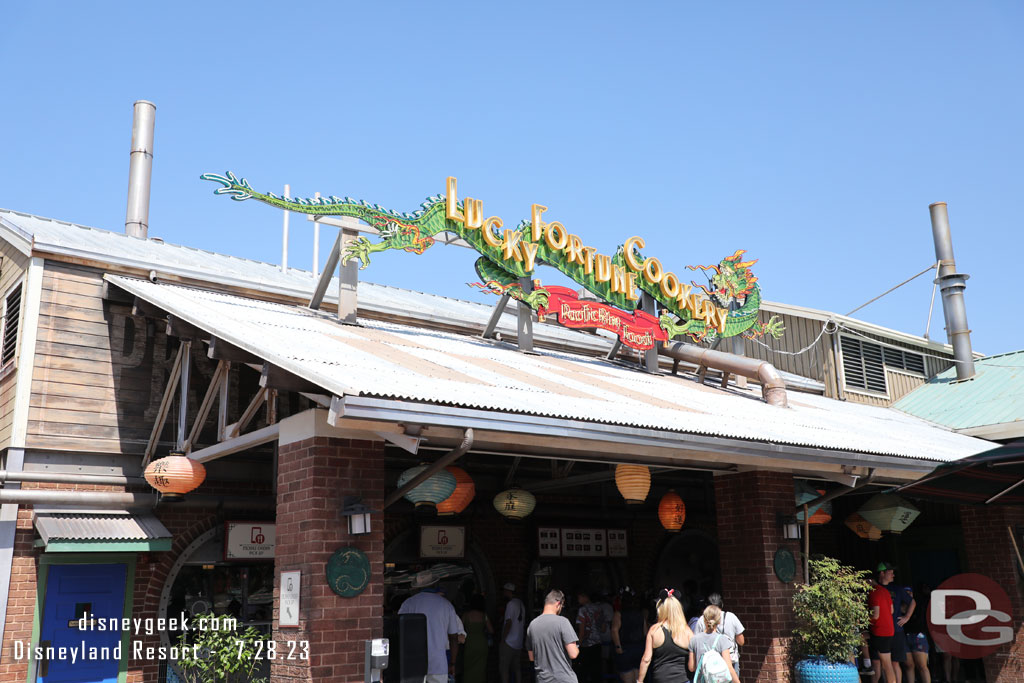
[572,542]
[549,542]
[249,540]
[725,307]
[442,542]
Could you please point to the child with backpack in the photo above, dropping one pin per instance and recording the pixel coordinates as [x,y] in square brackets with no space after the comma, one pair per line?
[710,652]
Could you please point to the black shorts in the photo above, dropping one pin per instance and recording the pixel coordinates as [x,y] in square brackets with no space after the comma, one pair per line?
[899,647]
[879,645]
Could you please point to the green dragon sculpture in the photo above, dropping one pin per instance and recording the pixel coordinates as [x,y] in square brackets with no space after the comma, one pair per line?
[733,287]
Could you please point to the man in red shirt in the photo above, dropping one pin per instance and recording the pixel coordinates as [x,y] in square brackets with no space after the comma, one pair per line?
[881,626]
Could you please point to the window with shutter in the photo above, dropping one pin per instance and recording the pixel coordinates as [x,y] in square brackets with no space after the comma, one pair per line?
[864,363]
[12,315]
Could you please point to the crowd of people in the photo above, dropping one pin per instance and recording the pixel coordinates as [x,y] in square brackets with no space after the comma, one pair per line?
[626,637]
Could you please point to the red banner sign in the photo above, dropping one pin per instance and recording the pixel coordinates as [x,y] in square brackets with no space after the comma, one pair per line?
[637,330]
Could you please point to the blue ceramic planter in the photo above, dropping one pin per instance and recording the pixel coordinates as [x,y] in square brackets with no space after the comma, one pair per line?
[819,670]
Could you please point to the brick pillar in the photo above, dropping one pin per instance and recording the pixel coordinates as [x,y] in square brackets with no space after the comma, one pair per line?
[990,552]
[748,536]
[314,475]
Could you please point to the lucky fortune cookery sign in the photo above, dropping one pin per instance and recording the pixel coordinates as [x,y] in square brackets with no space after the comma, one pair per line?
[727,306]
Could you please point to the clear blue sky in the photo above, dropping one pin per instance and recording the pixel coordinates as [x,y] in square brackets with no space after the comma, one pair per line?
[814,135]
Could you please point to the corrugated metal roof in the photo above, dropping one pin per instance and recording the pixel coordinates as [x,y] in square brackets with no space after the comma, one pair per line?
[387,360]
[995,395]
[118,526]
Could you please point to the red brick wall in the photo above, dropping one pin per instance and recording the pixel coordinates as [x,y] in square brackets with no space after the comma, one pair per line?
[314,475]
[991,553]
[748,537]
[21,600]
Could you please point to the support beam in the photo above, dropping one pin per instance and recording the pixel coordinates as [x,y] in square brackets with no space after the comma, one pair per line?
[142,308]
[581,479]
[165,407]
[492,323]
[403,441]
[235,429]
[222,403]
[327,275]
[434,468]
[176,327]
[116,295]
[219,376]
[186,371]
[222,350]
[257,437]
[273,377]
[524,325]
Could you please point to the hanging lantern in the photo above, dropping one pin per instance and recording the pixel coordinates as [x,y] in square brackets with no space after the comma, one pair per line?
[435,489]
[672,511]
[863,527]
[515,503]
[889,512]
[820,513]
[633,482]
[175,475]
[464,492]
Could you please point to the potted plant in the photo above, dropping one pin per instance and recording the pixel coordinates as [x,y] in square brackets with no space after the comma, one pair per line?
[830,614]
[211,654]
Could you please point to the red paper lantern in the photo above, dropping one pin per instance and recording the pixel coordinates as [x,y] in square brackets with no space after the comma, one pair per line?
[465,490]
[175,475]
[672,511]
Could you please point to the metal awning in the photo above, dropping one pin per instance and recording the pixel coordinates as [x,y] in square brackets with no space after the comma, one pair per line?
[100,532]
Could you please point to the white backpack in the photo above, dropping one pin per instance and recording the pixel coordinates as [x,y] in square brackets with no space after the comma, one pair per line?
[712,667]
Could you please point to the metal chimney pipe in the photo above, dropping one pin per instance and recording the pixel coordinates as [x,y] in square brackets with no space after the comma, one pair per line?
[952,284]
[136,222]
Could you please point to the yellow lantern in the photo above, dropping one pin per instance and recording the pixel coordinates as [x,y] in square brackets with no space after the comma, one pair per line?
[672,511]
[175,475]
[465,490]
[515,503]
[633,482]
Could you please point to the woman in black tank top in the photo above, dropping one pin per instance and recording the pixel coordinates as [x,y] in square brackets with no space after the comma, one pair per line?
[667,650]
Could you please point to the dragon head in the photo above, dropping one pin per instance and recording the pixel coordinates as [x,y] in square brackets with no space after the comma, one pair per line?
[731,282]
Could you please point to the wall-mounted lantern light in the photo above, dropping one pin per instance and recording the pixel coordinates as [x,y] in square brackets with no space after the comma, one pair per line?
[358,515]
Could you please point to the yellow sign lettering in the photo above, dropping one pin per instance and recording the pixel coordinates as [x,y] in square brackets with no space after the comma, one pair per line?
[474,209]
[529,254]
[452,212]
[627,249]
[488,231]
[574,252]
[588,259]
[603,268]
[510,246]
[557,236]
[537,225]
[653,270]
[670,286]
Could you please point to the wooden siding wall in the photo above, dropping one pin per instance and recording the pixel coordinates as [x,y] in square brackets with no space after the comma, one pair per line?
[900,383]
[12,269]
[100,372]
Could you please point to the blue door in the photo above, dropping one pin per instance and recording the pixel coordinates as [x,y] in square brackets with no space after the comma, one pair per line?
[72,590]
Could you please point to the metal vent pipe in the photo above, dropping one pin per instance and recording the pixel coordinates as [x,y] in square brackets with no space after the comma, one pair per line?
[952,284]
[773,387]
[140,171]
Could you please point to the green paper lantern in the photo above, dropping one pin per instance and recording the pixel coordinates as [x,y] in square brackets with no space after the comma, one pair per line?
[889,512]
[435,489]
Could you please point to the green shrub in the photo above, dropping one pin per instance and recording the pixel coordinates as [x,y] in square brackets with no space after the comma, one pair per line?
[831,612]
[222,655]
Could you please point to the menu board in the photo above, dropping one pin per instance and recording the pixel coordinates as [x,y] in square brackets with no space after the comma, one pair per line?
[571,542]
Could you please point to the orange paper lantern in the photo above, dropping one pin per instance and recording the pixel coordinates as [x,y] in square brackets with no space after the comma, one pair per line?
[633,482]
[175,475]
[465,490]
[672,511]
[863,527]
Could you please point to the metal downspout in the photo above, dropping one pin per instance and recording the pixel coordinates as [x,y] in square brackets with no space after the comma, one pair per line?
[773,388]
[433,468]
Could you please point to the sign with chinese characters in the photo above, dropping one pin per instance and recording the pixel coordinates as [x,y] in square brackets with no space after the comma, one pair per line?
[291,582]
[249,540]
[549,542]
[442,541]
[726,306]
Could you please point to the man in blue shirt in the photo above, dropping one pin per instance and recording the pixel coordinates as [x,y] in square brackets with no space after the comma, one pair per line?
[902,607]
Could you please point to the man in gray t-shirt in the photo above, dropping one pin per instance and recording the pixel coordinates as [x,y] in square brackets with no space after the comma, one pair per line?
[551,642]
